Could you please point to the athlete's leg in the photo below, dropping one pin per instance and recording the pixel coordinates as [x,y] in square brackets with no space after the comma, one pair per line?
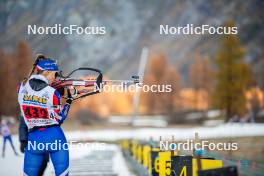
[34,156]
[44,165]
[4,146]
[60,160]
[32,163]
[60,157]
[12,145]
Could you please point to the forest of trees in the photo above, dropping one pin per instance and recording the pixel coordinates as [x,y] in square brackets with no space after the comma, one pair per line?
[223,82]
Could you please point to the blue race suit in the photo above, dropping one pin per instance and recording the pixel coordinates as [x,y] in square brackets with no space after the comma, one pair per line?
[40,107]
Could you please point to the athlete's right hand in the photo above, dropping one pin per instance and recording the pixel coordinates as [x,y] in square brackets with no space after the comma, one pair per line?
[23,145]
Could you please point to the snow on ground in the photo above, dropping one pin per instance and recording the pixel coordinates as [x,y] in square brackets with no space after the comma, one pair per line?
[225,130]
[119,163]
[12,165]
[81,151]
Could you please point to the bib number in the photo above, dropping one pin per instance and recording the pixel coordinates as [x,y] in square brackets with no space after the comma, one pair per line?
[35,112]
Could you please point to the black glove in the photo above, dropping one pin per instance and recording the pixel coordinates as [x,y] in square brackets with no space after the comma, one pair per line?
[69,97]
[69,100]
[23,145]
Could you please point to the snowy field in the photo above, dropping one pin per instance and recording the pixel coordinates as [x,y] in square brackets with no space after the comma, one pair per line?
[225,130]
[12,165]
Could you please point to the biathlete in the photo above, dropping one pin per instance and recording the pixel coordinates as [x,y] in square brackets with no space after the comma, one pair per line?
[41,109]
[7,136]
[23,130]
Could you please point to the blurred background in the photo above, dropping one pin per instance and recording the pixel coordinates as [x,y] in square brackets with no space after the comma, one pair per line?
[216,79]
[192,64]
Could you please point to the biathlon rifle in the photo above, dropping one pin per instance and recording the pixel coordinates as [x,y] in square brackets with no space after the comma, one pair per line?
[81,85]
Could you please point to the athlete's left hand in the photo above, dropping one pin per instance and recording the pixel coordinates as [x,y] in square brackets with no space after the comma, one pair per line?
[23,145]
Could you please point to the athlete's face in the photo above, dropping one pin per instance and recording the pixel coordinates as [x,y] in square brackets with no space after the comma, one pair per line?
[51,76]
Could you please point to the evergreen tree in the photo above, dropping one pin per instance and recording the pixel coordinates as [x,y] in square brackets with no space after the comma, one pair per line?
[233,76]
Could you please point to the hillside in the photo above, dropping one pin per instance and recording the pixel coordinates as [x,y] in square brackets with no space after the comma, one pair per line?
[129,26]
